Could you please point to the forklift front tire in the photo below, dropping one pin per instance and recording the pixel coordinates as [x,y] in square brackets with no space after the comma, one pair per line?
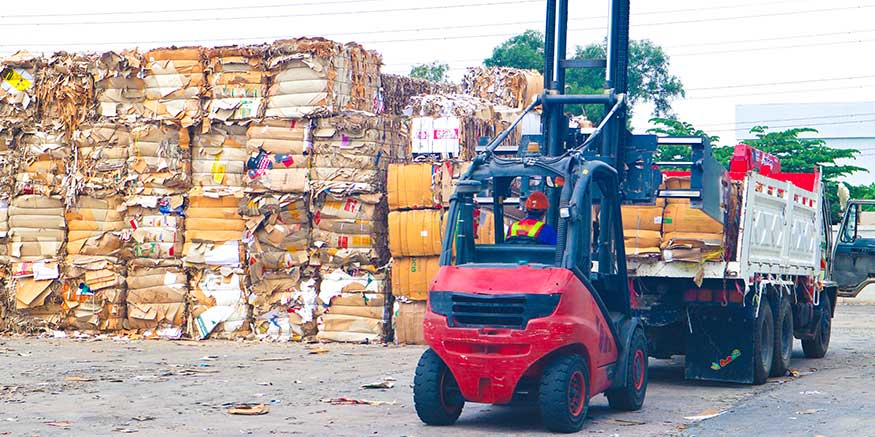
[563,397]
[436,395]
[631,397]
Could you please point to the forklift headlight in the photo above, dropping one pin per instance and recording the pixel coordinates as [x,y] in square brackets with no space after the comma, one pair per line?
[564,213]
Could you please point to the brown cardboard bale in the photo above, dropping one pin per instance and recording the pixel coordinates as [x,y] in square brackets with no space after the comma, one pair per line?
[159,160]
[213,230]
[36,228]
[156,300]
[65,90]
[94,293]
[640,238]
[34,303]
[42,158]
[238,82]
[102,155]
[119,90]
[280,234]
[450,125]
[503,85]
[156,226]
[415,233]
[409,323]
[174,83]
[398,89]
[96,226]
[219,159]
[356,309]
[683,218]
[413,186]
[284,305]
[363,216]
[315,77]
[645,218]
[412,276]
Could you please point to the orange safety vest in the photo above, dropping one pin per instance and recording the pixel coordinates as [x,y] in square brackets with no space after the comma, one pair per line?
[526,228]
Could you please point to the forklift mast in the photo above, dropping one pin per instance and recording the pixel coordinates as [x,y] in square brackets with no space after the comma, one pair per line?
[632,156]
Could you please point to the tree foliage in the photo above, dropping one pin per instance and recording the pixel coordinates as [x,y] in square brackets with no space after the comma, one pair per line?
[649,77]
[434,71]
[525,50]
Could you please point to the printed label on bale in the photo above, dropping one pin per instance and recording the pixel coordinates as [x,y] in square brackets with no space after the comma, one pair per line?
[16,78]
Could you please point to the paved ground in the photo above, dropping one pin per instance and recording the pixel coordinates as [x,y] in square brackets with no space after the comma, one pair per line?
[110,387]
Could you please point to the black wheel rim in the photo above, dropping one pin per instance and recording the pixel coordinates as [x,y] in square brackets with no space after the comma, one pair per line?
[639,368]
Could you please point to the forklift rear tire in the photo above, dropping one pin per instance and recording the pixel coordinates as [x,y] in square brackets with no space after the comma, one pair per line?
[764,343]
[631,397]
[563,396]
[436,394]
[817,346]
[783,338]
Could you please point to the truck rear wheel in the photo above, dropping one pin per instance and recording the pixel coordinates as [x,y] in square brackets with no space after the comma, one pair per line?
[563,397]
[783,338]
[817,346]
[764,343]
[631,397]
[436,395]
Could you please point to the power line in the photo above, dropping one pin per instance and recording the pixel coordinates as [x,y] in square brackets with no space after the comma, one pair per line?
[758,49]
[311,14]
[790,126]
[757,122]
[173,11]
[772,38]
[780,83]
[769,93]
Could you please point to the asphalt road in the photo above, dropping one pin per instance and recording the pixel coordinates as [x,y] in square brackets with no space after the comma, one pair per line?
[111,387]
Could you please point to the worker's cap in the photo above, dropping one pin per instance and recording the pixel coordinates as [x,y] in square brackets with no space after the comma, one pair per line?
[537,201]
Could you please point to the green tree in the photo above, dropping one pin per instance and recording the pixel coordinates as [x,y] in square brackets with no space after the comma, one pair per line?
[804,154]
[525,50]
[649,77]
[435,71]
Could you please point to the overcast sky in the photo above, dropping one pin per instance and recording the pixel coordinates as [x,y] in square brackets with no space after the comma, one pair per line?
[725,53]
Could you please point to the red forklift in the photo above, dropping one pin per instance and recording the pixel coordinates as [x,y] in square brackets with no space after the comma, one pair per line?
[516,320]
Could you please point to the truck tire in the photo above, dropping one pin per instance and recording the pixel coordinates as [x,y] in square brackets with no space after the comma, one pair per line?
[763,343]
[631,397]
[817,346]
[563,395]
[783,338]
[436,395]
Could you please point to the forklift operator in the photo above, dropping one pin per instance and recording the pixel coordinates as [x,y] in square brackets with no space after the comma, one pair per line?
[533,228]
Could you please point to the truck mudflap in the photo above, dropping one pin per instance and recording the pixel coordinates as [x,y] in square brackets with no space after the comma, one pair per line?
[720,345]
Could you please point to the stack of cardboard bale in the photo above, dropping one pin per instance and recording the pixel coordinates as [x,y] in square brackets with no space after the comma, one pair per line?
[175,81]
[315,77]
[642,230]
[414,191]
[351,154]
[159,176]
[94,276]
[119,91]
[65,90]
[37,227]
[237,81]
[396,91]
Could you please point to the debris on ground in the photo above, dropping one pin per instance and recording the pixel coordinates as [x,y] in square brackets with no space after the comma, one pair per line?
[386,383]
[351,401]
[706,414]
[249,409]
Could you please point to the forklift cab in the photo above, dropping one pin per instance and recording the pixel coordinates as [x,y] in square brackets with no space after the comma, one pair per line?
[587,221]
[853,266]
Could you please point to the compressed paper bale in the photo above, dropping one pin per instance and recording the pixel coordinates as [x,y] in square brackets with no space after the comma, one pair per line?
[284,306]
[94,293]
[356,306]
[412,276]
[415,233]
[119,90]
[212,226]
[503,85]
[96,226]
[219,159]
[412,186]
[19,74]
[641,238]
[36,228]
[683,218]
[156,225]
[156,298]
[174,82]
[644,218]
[238,82]
[159,160]
[102,153]
[65,90]
[42,157]
[408,321]
[218,305]
[398,89]
[315,77]
[450,125]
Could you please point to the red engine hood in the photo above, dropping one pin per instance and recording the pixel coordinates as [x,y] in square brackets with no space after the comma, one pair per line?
[496,280]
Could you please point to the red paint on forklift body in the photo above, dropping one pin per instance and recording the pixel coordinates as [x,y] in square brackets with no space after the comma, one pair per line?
[489,362]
